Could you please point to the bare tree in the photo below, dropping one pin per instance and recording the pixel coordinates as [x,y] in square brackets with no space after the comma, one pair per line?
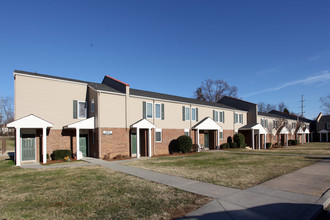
[261,107]
[7,110]
[270,107]
[325,101]
[281,106]
[213,90]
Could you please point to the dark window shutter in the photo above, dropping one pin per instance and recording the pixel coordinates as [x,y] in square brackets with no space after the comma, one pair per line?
[196,114]
[326,126]
[183,113]
[223,116]
[74,109]
[213,115]
[144,110]
[163,110]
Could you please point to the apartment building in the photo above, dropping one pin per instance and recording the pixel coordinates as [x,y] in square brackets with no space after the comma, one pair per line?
[323,127]
[108,119]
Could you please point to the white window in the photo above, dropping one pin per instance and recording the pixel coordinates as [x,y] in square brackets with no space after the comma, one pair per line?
[221,135]
[82,113]
[186,132]
[193,114]
[158,111]
[222,116]
[158,135]
[149,110]
[216,116]
[241,118]
[92,106]
[235,118]
[187,114]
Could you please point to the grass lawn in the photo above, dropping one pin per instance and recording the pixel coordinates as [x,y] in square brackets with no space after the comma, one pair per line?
[88,192]
[226,169]
[314,148]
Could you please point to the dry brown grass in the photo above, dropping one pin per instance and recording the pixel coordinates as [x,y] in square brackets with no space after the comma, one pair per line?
[226,169]
[88,192]
[314,148]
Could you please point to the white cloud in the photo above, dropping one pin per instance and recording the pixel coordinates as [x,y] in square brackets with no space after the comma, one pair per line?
[321,78]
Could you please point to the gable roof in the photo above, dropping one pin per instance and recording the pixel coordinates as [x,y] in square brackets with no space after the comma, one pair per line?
[270,115]
[236,103]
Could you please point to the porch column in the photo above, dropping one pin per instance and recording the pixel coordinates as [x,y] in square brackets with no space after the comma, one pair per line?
[259,140]
[137,142]
[78,143]
[219,139]
[44,145]
[18,146]
[253,139]
[149,142]
[198,139]
[265,140]
[287,142]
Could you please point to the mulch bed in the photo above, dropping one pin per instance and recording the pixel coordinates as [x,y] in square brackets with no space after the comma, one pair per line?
[58,161]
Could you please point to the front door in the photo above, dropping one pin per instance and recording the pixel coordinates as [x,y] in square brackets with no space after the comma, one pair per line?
[133,144]
[28,147]
[83,142]
[206,140]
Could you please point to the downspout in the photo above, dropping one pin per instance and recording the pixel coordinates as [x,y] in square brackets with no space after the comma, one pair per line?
[153,120]
[98,124]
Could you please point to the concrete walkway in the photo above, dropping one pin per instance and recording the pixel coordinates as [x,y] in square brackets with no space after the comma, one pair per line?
[286,197]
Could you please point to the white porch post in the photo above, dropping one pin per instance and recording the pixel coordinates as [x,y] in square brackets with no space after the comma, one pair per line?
[149,142]
[137,142]
[259,140]
[287,142]
[265,140]
[18,146]
[197,134]
[219,139]
[253,139]
[78,143]
[44,145]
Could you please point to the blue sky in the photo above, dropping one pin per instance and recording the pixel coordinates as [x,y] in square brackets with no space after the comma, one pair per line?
[272,51]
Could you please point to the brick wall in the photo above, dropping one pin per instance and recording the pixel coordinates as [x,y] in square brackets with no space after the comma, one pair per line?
[168,135]
[115,144]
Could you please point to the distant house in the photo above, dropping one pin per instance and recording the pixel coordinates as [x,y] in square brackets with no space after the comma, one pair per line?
[323,127]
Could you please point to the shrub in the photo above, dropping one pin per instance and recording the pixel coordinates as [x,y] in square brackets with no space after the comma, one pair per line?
[60,154]
[173,147]
[268,145]
[224,146]
[240,140]
[195,147]
[184,144]
[229,140]
[233,145]
[293,142]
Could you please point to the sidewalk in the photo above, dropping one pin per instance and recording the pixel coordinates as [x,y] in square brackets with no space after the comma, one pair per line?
[293,196]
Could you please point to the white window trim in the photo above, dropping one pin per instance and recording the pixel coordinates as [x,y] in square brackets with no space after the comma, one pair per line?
[78,110]
[223,116]
[147,110]
[161,135]
[191,112]
[160,111]
[187,131]
[187,115]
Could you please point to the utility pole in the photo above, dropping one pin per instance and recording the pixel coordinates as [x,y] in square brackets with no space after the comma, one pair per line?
[302,105]
[1,112]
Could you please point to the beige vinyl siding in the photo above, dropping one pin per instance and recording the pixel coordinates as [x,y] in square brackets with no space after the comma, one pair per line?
[51,100]
[112,110]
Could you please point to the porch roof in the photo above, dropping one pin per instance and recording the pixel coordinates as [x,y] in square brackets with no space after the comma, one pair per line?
[207,124]
[84,124]
[30,121]
[256,126]
[143,123]
[284,130]
[300,131]
[324,131]
[306,131]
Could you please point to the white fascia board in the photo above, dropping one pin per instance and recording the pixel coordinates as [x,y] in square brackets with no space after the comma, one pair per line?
[208,124]
[144,123]
[84,124]
[30,121]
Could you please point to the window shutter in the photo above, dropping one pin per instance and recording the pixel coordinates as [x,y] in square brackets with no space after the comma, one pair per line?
[163,110]
[183,113]
[196,114]
[74,109]
[213,115]
[223,116]
[144,110]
